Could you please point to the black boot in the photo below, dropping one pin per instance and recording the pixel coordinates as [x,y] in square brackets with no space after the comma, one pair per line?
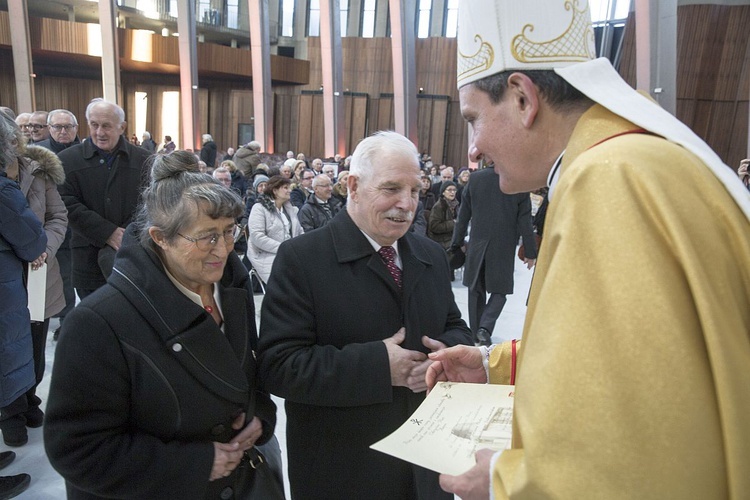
[11,486]
[6,458]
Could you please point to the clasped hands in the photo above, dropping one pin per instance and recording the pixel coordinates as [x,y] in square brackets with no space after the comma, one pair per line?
[408,367]
[227,456]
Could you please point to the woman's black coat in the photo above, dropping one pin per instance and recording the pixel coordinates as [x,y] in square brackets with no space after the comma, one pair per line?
[144,381]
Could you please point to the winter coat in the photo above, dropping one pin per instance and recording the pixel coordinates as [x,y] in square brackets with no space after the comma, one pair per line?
[40,172]
[22,239]
[144,381]
[246,160]
[312,215]
[441,223]
[208,153]
[266,230]
[99,199]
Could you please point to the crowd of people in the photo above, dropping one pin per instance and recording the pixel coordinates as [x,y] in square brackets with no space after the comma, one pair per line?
[162,381]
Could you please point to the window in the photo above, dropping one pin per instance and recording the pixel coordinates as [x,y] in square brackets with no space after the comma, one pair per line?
[313,19]
[287,18]
[368,19]
[609,11]
[233,14]
[344,7]
[451,18]
[423,18]
[173,8]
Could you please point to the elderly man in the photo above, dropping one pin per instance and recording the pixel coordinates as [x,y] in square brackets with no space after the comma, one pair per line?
[63,131]
[223,175]
[633,380]
[103,178]
[317,166]
[148,143]
[319,208]
[344,341]
[22,120]
[330,171]
[38,127]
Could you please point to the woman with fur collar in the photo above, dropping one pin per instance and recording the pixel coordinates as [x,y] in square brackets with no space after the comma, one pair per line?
[38,172]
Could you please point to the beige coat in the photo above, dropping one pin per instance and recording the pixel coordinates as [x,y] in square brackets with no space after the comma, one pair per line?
[635,372]
[40,171]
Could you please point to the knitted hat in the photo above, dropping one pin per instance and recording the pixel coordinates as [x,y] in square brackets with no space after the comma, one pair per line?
[258,179]
[445,185]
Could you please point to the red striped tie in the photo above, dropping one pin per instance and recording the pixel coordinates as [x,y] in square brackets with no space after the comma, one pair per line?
[388,254]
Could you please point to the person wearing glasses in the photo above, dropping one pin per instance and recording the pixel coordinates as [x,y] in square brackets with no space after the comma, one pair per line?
[63,131]
[38,127]
[153,391]
[303,189]
[22,120]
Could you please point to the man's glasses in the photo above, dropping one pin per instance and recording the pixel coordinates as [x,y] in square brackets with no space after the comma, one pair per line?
[63,127]
[206,243]
[33,126]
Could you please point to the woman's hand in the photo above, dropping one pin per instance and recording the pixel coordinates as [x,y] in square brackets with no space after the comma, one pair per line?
[226,458]
[249,435]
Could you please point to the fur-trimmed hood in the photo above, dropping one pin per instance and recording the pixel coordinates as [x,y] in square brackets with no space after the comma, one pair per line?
[45,164]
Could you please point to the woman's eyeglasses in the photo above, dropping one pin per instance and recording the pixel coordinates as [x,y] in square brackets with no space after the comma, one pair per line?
[206,243]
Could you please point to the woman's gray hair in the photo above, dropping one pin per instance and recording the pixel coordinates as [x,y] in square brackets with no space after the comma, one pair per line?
[12,140]
[379,147]
[176,194]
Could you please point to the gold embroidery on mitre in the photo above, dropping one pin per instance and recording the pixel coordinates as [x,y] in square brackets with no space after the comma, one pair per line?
[573,45]
[481,60]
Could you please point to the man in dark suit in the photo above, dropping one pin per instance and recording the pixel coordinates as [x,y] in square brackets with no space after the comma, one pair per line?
[344,341]
[497,220]
[103,179]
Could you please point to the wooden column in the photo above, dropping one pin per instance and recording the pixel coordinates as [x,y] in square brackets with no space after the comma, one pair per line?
[111,88]
[22,65]
[656,50]
[404,68]
[260,47]
[333,95]
[188,47]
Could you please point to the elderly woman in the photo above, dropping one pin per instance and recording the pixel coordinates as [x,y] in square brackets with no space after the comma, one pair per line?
[22,240]
[38,172]
[273,220]
[340,190]
[153,391]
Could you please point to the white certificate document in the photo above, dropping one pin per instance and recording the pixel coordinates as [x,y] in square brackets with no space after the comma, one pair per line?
[37,288]
[454,422]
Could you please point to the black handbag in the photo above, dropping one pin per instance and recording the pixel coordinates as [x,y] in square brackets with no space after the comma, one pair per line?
[268,481]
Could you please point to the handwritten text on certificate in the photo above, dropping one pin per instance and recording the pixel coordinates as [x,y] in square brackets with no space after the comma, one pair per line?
[454,421]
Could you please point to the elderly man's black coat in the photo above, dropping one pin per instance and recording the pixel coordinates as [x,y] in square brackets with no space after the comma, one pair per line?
[144,381]
[497,221]
[99,199]
[322,325]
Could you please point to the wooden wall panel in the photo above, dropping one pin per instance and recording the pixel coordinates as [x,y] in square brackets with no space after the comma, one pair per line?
[438,127]
[359,118]
[304,141]
[4,28]
[317,137]
[713,74]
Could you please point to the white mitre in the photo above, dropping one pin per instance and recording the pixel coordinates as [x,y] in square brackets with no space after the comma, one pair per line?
[500,35]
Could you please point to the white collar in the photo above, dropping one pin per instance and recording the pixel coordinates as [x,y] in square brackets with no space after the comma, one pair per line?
[377,248]
[554,175]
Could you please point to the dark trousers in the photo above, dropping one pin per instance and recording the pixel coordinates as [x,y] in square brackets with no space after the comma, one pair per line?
[39,331]
[483,312]
[63,258]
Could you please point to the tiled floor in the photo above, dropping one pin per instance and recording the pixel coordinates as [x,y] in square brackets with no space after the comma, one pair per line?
[47,484]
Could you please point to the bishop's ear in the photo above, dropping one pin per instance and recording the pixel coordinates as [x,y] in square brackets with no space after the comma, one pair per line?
[525,97]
